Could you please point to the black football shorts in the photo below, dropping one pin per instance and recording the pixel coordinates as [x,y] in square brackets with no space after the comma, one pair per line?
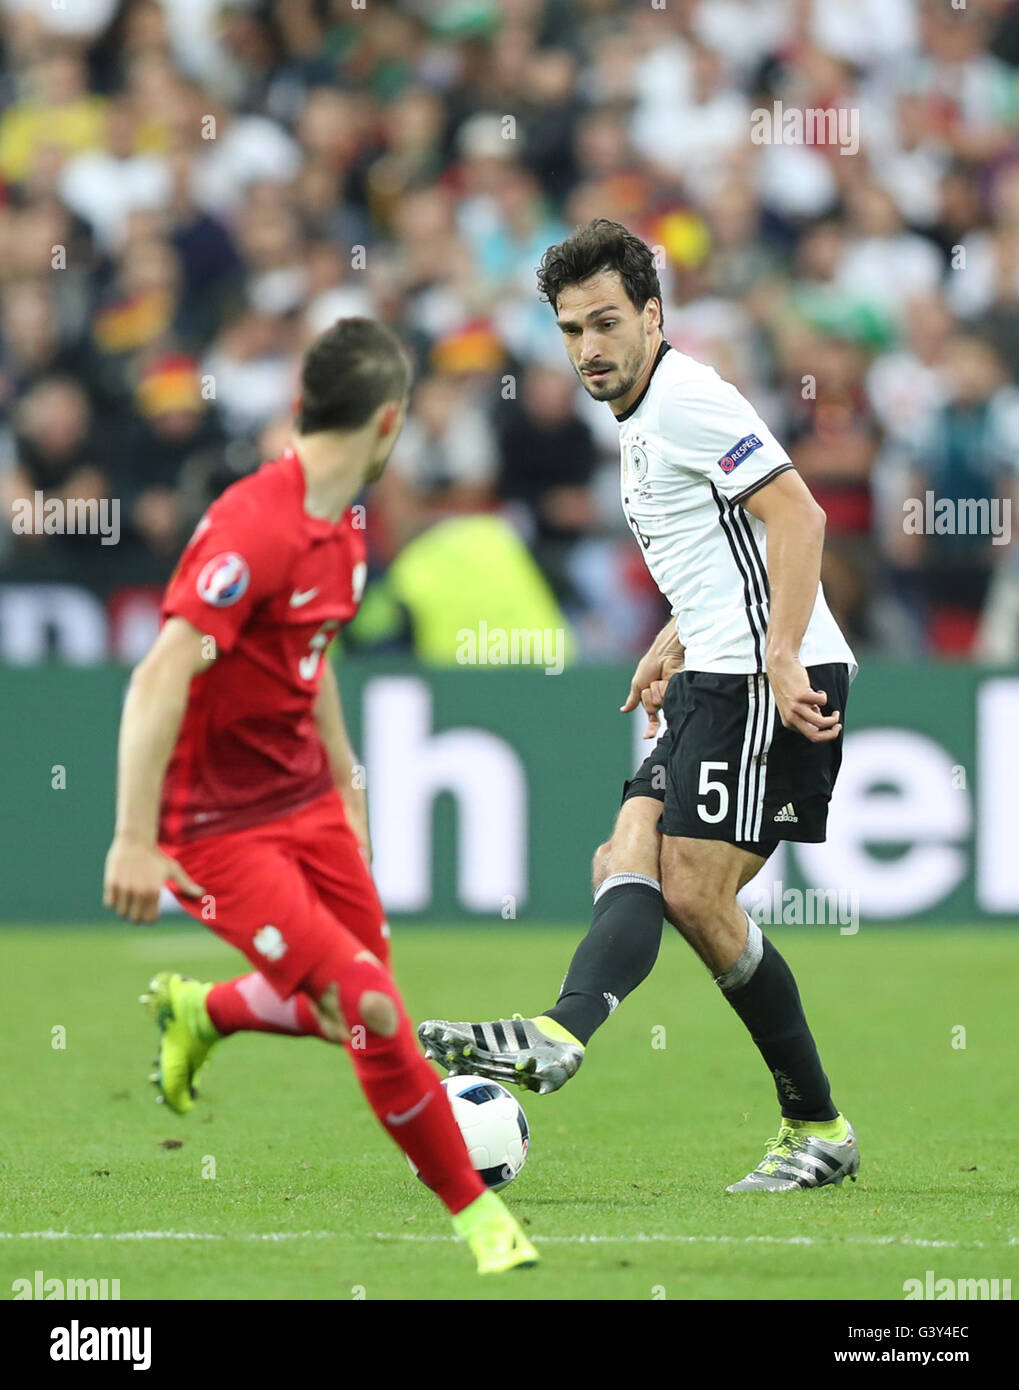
[726,768]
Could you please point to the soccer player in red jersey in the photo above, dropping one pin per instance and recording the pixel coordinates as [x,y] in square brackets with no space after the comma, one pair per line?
[235,780]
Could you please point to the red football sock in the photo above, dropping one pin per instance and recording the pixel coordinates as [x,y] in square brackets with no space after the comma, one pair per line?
[251,1005]
[401,1087]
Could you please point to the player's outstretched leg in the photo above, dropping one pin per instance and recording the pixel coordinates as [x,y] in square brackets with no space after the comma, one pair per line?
[193,1016]
[250,1004]
[359,1005]
[617,954]
[815,1146]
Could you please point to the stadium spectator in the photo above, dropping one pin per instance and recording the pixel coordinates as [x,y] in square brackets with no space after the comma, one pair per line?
[103,185]
[170,454]
[546,463]
[55,109]
[209,185]
[58,452]
[31,343]
[967,454]
[446,456]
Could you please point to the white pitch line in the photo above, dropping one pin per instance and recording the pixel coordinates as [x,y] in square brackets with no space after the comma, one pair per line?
[168,1235]
[890,1242]
[641,1238]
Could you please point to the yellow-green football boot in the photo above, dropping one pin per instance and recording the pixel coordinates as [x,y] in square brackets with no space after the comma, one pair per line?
[177,1003]
[496,1240]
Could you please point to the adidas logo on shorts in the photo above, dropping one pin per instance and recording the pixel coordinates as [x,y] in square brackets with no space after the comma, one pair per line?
[787,814]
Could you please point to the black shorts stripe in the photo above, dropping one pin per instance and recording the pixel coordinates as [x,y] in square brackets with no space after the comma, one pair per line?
[759,764]
[746,759]
[771,718]
[754,761]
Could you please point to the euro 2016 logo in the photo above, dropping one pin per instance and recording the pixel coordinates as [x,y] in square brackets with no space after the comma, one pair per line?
[224,579]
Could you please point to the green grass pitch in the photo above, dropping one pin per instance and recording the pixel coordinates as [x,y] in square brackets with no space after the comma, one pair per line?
[623,1189]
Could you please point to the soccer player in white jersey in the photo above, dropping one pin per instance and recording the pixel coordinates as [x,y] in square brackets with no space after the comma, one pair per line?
[752,674]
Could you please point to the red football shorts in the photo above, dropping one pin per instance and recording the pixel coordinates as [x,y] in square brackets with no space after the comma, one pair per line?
[287,893]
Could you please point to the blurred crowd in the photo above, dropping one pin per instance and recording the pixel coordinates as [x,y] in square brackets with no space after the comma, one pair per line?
[191,189]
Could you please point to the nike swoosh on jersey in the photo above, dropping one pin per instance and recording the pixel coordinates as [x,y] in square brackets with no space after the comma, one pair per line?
[298,598]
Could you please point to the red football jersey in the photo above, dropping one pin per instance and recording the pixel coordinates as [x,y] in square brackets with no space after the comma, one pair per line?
[271,585]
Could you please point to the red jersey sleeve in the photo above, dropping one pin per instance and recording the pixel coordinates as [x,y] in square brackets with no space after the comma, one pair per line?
[234,560]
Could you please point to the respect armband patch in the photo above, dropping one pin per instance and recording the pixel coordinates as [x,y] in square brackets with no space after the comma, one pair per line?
[739,452]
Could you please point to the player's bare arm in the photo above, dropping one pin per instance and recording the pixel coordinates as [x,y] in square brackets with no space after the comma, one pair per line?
[342,760]
[650,680]
[136,868]
[795,541]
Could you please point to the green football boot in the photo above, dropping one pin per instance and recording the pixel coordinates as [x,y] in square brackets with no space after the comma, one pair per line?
[497,1242]
[177,1003]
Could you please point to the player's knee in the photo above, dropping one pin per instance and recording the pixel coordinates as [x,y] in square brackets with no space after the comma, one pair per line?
[329,1016]
[358,994]
[379,1013]
[601,865]
[692,906]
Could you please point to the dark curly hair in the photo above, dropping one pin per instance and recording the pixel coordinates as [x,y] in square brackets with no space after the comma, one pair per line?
[600,245]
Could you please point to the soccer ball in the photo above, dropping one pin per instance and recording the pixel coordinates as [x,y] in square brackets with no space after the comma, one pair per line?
[493,1125]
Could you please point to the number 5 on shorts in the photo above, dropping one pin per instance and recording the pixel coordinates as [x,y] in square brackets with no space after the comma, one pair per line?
[705,787]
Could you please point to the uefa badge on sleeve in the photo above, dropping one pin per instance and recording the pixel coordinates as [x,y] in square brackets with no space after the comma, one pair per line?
[224,580]
[738,453]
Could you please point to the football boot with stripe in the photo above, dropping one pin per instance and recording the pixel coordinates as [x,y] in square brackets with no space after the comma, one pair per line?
[799,1157]
[535,1053]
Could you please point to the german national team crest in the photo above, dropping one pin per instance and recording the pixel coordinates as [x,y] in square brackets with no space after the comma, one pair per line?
[638,464]
[224,579]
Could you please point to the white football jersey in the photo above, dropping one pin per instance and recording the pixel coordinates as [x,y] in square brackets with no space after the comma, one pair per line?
[692,449]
